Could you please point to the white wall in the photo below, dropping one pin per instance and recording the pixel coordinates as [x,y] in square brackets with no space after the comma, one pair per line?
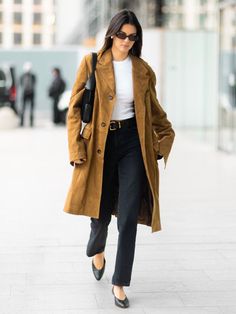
[190,78]
[152,52]
[69,16]
[100,39]
[185,64]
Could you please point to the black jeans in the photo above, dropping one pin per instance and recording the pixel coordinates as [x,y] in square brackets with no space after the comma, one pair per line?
[56,111]
[123,164]
[27,98]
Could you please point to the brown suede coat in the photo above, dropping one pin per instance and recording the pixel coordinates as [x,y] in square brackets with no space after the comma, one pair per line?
[155,133]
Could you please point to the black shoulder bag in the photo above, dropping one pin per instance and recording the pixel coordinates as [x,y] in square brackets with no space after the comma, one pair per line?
[88,95]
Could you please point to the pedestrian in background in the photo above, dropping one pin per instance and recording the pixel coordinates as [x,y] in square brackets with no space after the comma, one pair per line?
[115,155]
[28,86]
[56,89]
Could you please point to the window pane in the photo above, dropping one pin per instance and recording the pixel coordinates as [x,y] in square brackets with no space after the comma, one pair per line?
[202,20]
[37,18]
[17,38]
[17,18]
[37,39]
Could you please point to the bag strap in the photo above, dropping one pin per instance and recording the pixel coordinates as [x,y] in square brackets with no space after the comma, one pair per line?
[91,81]
[94,62]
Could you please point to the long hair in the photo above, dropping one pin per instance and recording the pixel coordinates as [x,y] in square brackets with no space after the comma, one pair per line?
[124,17]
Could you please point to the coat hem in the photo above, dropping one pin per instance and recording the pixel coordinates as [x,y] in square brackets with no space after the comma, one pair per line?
[75,212]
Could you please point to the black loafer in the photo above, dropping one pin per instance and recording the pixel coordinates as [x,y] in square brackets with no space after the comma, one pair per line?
[121,303]
[98,273]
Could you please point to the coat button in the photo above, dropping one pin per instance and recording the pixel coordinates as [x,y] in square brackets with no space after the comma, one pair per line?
[110,97]
[99,151]
[103,124]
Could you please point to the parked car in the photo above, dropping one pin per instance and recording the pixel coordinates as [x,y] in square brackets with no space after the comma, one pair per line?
[7,87]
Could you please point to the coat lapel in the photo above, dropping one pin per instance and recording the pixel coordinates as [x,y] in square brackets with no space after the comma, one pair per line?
[105,70]
[140,85]
[140,78]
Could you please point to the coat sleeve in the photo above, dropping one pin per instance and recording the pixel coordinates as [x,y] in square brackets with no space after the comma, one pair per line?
[75,141]
[162,128]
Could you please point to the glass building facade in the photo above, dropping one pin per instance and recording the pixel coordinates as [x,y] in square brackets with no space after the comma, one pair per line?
[171,14]
[227,76]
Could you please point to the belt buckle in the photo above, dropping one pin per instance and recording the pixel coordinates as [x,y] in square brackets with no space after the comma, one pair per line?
[114,125]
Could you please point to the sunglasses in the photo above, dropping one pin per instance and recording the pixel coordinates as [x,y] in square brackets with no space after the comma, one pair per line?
[122,35]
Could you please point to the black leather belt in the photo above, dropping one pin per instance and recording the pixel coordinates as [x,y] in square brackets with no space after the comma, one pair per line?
[118,124]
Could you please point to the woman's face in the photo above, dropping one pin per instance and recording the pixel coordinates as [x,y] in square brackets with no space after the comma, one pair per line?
[124,45]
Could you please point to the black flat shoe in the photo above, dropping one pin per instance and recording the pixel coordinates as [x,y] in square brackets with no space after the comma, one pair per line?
[121,303]
[98,273]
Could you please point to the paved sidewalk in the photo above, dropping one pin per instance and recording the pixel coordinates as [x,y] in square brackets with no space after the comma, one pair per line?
[187,268]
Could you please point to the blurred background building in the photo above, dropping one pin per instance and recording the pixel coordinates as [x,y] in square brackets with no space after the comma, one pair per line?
[27,23]
[190,44]
[172,14]
[227,76]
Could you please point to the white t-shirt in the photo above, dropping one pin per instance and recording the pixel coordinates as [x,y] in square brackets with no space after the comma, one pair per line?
[124,106]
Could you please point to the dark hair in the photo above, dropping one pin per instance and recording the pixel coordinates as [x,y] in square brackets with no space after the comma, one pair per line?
[57,70]
[124,17]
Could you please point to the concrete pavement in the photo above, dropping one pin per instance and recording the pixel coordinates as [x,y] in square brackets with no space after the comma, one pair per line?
[187,268]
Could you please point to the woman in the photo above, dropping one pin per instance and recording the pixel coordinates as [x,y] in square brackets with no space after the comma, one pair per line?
[115,156]
[56,89]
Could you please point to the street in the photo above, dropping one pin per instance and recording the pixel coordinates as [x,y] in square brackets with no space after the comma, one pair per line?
[187,268]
